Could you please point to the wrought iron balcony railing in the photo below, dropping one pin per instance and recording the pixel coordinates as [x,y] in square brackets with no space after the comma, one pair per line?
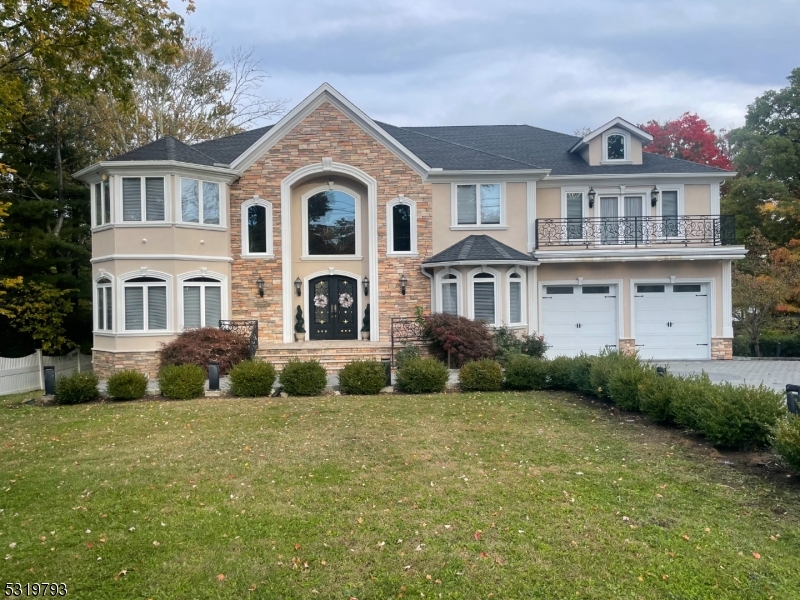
[601,232]
[246,328]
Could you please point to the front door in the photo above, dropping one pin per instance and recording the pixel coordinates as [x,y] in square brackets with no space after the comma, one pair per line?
[333,306]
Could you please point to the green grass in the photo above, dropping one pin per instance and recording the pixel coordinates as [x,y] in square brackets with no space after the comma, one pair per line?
[451,496]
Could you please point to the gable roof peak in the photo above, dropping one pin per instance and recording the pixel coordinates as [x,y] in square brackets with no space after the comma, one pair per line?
[615,123]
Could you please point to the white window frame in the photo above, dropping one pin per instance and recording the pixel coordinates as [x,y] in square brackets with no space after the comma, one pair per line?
[626,145]
[256,201]
[498,281]
[104,184]
[585,205]
[390,251]
[124,282]
[222,204]
[329,257]
[459,289]
[220,281]
[477,225]
[96,301]
[681,209]
[143,200]
[643,193]
[523,283]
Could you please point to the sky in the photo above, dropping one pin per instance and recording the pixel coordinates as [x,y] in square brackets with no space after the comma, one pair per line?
[561,64]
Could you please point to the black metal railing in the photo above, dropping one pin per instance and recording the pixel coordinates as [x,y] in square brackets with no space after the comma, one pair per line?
[599,232]
[405,330]
[247,328]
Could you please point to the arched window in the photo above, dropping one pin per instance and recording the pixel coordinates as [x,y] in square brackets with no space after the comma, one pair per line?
[616,146]
[257,228]
[202,302]
[484,293]
[449,294]
[145,304]
[401,227]
[331,223]
[516,298]
[104,307]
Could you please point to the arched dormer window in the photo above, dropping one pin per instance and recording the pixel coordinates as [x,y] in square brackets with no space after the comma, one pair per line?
[401,215]
[257,228]
[104,305]
[616,146]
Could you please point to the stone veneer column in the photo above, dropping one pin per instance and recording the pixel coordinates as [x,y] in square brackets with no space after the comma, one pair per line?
[627,346]
[721,348]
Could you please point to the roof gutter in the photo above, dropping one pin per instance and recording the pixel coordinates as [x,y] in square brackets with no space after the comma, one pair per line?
[443,175]
[135,165]
[451,263]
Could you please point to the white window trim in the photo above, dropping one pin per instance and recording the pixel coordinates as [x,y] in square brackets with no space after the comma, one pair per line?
[256,201]
[523,283]
[143,201]
[478,225]
[459,289]
[620,195]
[390,227]
[574,190]
[659,207]
[95,300]
[220,281]
[124,282]
[222,204]
[93,199]
[328,257]
[498,281]
[627,146]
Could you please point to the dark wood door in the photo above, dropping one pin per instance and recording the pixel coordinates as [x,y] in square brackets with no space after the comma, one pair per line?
[333,306]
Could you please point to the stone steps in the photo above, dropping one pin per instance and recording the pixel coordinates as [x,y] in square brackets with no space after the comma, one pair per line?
[333,355]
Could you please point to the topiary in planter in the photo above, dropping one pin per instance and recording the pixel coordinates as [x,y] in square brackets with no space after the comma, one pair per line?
[787,441]
[127,385]
[483,375]
[201,346]
[362,377]
[182,382]
[252,379]
[423,376]
[76,388]
[303,378]
[526,373]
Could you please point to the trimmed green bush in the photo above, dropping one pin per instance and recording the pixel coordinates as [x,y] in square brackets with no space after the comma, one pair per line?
[181,382]
[690,394]
[252,379]
[787,441]
[423,376]
[626,381]
[604,365]
[303,378]
[76,388]
[656,394]
[407,352]
[526,373]
[362,377]
[127,385]
[483,375]
[580,374]
[558,373]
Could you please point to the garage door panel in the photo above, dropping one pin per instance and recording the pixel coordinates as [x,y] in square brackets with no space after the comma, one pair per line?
[596,313]
[672,321]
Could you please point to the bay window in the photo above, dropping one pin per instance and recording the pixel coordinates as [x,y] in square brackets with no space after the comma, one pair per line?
[145,304]
[104,305]
[202,302]
[143,199]
[200,202]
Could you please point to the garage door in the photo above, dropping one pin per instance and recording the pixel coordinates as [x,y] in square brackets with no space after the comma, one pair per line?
[579,319]
[672,321]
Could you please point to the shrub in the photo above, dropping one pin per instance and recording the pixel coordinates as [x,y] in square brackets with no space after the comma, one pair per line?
[201,346]
[76,388]
[253,379]
[579,375]
[127,385]
[508,343]
[689,395]
[407,352]
[484,375]
[656,394]
[604,365]
[362,377]
[181,382]
[303,378]
[463,338]
[787,441]
[423,376]
[534,345]
[526,373]
[626,382]
[558,373]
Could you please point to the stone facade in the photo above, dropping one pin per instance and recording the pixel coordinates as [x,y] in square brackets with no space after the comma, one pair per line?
[722,348]
[627,346]
[107,363]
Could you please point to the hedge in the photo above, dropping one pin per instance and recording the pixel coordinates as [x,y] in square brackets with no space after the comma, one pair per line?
[362,377]
[483,375]
[423,376]
[303,378]
[182,382]
[252,379]
[127,385]
[76,388]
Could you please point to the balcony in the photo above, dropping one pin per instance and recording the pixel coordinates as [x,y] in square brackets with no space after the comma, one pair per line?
[636,232]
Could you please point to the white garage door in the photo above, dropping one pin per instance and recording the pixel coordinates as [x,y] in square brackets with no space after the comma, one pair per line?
[579,319]
[672,321]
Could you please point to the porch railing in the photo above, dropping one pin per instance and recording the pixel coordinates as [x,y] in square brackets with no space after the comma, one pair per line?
[602,232]
[246,328]
[405,329]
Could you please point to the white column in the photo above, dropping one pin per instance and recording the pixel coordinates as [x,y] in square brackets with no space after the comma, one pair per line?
[727,300]
[531,197]
[533,299]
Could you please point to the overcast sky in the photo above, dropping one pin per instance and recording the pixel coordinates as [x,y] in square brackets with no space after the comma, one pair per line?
[559,64]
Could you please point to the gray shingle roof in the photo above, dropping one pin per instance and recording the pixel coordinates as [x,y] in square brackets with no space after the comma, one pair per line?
[477,249]
[168,148]
[229,148]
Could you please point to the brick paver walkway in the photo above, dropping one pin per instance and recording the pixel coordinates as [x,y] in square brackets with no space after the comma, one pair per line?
[772,373]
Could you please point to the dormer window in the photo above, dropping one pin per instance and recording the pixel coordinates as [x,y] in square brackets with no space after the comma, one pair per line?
[616,146]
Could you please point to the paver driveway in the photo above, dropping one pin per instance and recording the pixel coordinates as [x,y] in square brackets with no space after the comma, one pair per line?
[772,373]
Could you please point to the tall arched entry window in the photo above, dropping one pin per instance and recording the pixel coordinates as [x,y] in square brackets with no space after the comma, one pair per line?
[332,224]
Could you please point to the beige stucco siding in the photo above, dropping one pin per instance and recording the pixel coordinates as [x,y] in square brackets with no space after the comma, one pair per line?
[697,199]
[548,203]
[178,239]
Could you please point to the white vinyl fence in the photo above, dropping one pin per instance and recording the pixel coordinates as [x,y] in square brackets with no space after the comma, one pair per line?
[25,374]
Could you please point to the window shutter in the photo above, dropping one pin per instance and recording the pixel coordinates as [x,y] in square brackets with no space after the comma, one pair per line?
[131,199]
[191,306]
[450,298]
[515,296]
[467,202]
[257,229]
[210,203]
[101,292]
[190,201]
[156,307]
[98,204]
[134,308]
[483,292]
[154,198]
[109,310]
[213,306]
[401,228]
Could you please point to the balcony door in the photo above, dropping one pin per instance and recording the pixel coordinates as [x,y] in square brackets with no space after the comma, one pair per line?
[621,219]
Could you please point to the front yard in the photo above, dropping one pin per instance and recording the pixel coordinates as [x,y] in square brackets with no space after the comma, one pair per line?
[507,495]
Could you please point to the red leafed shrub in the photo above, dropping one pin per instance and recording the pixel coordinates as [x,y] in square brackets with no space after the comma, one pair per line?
[463,338]
[201,346]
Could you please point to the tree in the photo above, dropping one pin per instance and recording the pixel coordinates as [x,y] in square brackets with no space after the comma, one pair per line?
[690,138]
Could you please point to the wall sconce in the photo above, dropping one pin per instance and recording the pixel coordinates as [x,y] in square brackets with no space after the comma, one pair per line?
[654,196]
[592,195]
[403,282]
[365,283]
[298,286]
[260,286]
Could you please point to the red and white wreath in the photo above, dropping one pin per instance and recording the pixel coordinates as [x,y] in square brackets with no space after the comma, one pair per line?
[320,301]
[345,300]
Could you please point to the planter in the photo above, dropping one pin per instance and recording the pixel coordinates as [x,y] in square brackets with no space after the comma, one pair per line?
[299,337]
[365,335]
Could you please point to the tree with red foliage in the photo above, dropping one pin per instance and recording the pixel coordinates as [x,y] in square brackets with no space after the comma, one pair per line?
[688,137]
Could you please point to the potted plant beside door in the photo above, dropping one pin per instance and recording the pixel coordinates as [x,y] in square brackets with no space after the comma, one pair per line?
[299,325]
[365,325]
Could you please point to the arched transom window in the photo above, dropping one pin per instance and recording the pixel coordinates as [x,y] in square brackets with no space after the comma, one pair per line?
[332,224]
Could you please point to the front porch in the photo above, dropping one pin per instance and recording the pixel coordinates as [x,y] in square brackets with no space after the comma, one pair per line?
[333,354]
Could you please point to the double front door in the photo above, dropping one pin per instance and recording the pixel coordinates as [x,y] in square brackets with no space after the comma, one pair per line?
[333,307]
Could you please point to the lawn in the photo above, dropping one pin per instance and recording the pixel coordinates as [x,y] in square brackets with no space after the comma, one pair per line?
[508,495]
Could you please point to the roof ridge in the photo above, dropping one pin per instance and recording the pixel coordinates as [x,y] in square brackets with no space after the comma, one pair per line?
[468,241]
[225,137]
[691,162]
[499,246]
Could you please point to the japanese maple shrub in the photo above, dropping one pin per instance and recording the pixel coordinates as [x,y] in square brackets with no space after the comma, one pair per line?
[463,339]
[201,346]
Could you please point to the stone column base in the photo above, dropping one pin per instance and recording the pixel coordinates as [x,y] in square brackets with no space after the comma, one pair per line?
[106,363]
[627,346]
[721,348]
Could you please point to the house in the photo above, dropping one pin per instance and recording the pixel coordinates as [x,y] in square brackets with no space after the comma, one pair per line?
[591,241]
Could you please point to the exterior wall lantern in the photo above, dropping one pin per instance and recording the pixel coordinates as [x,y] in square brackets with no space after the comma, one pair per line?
[403,282]
[592,195]
[260,286]
[654,196]
[365,283]
[298,286]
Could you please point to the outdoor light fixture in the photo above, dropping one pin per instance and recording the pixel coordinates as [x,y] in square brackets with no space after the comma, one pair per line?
[592,194]
[403,282]
[654,196]
[260,286]
[365,283]
[298,285]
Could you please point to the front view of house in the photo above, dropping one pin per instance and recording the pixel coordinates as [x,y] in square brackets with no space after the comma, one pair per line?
[341,223]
